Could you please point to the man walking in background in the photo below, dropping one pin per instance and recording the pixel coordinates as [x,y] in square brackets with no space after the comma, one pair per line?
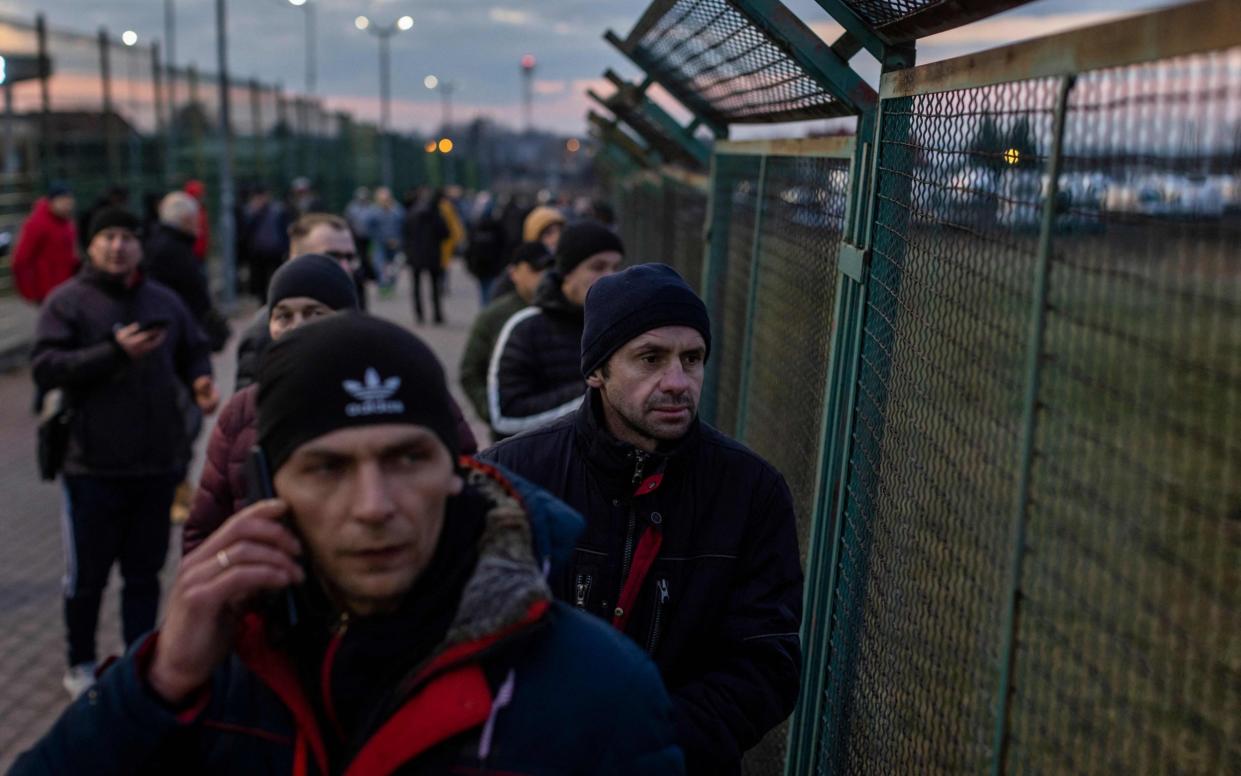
[386,219]
[690,545]
[46,253]
[117,344]
[264,239]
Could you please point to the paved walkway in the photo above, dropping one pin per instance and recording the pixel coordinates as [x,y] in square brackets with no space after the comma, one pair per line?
[32,646]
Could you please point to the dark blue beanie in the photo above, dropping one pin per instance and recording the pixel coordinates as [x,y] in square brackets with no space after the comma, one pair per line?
[625,305]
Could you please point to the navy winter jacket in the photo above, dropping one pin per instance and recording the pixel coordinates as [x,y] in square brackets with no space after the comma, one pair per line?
[719,607]
[519,685]
[128,418]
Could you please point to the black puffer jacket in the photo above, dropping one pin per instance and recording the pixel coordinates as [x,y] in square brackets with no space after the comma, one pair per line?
[720,607]
[169,258]
[127,414]
[535,375]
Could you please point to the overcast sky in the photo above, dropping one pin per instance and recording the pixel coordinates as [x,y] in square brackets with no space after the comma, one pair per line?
[477,44]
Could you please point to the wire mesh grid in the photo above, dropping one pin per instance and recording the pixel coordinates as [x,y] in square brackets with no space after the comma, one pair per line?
[687,215]
[652,132]
[709,49]
[910,19]
[733,220]
[804,200]
[1128,657]
[923,560]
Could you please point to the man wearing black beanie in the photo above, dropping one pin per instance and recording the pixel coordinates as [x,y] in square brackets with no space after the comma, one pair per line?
[303,289]
[387,612]
[690,545]
[126,353]
[533,377]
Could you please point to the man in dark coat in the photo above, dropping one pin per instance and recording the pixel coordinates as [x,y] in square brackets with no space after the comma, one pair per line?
[422,233]
[118,345]
[534,377]
[386,613]
[168,253]
[263,239]
[690,545]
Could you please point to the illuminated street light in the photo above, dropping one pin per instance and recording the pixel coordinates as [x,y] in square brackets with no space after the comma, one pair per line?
[445,146]
[129,38]
[573,146]
[430,82]
[298,3]
[431,146]
[1012,156]
[384,33]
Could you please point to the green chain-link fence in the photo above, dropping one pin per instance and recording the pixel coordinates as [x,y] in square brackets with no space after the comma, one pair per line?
[107,115]
[998,358]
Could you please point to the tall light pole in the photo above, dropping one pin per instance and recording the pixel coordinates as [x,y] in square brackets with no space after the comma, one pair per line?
[445,89]
[311,44]
[170,63]
[384,33]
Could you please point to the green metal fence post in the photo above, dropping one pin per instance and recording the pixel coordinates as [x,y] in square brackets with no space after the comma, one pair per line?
[258,146]
[1029,430]
[715,244]
[109,120]
[751,304]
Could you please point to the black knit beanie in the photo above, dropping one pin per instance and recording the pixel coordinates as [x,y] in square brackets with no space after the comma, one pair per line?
[110,217]
[581,241]
[630,303]
[315,276]
[348,370]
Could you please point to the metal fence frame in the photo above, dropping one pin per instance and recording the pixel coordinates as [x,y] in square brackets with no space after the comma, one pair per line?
[1199,27]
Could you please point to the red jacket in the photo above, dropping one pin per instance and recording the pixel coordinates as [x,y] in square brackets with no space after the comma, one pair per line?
[45,255]
[197,190]
[222,487]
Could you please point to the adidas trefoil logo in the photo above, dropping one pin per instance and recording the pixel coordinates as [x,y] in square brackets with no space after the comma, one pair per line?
[374,396]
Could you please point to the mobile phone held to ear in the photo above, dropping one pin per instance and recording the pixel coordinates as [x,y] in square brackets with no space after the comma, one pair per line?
[259,488]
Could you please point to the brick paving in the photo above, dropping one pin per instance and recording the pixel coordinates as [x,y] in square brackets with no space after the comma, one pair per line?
[32,642]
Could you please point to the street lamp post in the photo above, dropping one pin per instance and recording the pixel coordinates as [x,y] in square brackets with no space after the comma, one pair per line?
[445,89]
[384,34]
[311,46]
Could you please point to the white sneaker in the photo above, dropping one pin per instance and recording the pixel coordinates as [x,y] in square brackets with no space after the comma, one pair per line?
[79,678]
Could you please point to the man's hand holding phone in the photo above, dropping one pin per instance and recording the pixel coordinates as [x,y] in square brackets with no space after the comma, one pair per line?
[253,552]
[205,395]
[138,340]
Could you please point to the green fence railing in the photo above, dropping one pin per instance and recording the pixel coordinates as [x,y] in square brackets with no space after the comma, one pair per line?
[994,344]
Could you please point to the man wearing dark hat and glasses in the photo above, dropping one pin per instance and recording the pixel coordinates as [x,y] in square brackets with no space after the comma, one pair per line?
[690,546]
[419,634]
[117,345]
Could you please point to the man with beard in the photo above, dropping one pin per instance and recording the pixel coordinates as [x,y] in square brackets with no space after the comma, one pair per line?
[690,546]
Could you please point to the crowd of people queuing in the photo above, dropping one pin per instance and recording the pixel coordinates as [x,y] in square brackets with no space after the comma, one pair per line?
[610,586]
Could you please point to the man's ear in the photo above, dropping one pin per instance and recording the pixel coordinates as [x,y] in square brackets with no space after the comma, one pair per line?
[596,379]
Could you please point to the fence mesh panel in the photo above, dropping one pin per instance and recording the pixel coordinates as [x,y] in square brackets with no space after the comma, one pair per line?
[1128,658]
[734,207]
[687,216]
[927,526]
[709,49]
